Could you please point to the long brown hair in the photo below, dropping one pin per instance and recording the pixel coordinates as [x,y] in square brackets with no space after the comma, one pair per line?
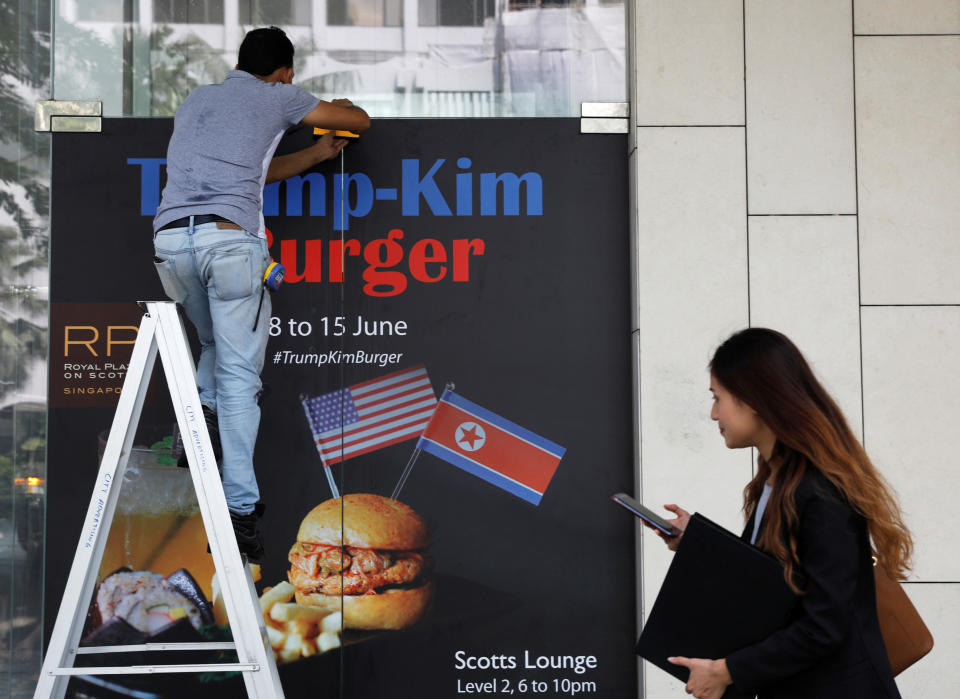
[765,370]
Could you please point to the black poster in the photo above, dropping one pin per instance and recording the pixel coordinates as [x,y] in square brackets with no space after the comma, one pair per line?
[469,279]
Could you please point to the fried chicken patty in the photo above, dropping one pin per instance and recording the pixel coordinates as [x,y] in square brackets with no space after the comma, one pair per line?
[334,570]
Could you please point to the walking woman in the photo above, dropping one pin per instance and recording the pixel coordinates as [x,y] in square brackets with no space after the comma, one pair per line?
[820,507]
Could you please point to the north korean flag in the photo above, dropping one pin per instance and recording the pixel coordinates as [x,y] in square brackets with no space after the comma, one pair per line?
[491,447]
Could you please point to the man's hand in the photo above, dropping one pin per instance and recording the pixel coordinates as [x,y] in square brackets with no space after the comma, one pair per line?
[284,166]
[327,147]
[709,679]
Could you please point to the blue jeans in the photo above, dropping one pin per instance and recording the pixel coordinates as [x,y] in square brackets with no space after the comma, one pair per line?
[216,275]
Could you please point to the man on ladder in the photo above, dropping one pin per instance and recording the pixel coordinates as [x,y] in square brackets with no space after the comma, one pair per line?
[210,242]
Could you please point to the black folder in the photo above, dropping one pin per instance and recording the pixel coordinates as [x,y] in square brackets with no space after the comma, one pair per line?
[720,594]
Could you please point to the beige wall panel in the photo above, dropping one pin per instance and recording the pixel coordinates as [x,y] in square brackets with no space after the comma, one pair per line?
[911,394]
[693,293]
[689,62]
[908,154]
[803,282]
[906,16]
[800,133]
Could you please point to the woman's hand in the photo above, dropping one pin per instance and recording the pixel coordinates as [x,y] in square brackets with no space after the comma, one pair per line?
[680,522]
[709,679]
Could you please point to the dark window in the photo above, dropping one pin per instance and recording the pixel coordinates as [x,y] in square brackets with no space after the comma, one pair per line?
[188,11]
[528,4]
[454,13]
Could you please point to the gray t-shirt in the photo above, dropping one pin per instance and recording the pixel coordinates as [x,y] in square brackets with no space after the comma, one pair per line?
[223,140]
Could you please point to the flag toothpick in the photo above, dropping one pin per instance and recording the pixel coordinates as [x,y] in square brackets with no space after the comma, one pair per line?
[370,415]
[334,491]
[416,452]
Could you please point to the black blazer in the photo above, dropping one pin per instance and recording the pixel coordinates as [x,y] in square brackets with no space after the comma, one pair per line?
[832,647]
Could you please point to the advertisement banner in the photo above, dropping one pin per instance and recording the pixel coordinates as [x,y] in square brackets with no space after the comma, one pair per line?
[453,333]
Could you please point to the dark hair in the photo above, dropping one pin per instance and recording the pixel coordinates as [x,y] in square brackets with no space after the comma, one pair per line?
[264,50]
[765,370]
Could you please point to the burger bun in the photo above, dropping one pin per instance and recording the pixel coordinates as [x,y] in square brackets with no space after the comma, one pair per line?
[392,609]
[366,521]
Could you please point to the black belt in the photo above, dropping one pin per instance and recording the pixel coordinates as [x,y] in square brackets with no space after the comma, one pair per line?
[197,220]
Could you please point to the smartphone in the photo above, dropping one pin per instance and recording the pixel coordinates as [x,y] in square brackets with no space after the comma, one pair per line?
[645,514]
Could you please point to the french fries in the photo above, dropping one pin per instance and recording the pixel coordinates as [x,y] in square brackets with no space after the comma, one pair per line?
[302,628]
[297,630]
[293,630]
[332,623]
[277,637]
[281,592]
[288,611]
[292,648]
[327,640]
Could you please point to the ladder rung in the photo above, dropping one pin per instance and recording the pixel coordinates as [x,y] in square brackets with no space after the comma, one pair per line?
[156,669]
[207,645]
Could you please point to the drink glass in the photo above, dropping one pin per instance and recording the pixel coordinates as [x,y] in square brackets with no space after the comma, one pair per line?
[157,524]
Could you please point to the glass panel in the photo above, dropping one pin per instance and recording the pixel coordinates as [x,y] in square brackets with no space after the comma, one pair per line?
[101,10]
[420,58]
[365,13]
[455,13]
[24,241]
[187,12]
[277,12]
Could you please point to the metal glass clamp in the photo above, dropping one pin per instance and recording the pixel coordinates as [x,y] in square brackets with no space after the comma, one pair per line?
[604,117]
[68,115]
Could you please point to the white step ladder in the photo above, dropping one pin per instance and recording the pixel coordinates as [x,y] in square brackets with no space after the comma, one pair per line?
[161,329]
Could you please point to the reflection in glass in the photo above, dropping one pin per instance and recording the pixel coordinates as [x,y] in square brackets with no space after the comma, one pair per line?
[24,243]
[102,10]
[277,12]
[419,58]
[454,13]
[365,13]
[188,11]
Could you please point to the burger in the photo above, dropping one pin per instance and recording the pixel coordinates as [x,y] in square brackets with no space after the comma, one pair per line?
[368,551]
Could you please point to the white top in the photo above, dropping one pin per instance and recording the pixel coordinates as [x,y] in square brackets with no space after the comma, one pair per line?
[761,506]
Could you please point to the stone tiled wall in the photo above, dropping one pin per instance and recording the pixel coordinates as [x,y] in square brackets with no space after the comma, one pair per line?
[797,166]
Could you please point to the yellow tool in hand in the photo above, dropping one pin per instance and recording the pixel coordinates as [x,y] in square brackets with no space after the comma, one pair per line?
[338,134]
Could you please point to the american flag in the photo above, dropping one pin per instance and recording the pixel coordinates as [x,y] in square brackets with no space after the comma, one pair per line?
[371,415]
